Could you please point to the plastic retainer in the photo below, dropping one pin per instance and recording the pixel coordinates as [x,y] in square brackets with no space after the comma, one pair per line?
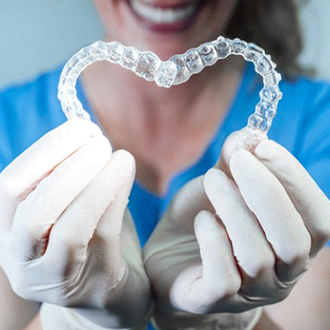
[177,70]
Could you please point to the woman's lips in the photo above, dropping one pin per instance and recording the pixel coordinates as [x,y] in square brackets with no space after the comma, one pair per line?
[165,17]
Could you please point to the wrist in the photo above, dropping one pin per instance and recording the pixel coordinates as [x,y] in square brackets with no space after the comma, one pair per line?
[265,322]
[55,317]
[172,319]
[255,319]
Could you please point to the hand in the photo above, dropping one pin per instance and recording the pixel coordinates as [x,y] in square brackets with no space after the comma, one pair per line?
[231,245]
[66,237]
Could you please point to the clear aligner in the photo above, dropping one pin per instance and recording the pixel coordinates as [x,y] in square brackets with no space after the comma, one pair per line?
[177,70]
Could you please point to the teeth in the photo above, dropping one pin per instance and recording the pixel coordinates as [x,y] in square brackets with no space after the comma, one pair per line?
[162,15]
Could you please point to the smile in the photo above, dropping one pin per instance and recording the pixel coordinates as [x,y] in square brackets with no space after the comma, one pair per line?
[165,18]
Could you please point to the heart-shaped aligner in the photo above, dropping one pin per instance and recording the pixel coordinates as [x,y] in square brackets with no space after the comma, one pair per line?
[177,70]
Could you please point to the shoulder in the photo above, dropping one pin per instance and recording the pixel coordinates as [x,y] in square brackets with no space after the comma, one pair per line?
[305,107]
[302,126]
[44,80]
[28,111]
[33,95]
[305,92]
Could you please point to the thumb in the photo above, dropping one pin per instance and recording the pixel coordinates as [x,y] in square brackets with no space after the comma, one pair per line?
[246,138]
[198,288]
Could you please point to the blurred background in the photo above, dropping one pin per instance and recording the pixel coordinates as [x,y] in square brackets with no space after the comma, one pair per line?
[37,35]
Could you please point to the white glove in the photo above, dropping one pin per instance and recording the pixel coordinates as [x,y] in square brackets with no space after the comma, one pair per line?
[62,241]
[229,246]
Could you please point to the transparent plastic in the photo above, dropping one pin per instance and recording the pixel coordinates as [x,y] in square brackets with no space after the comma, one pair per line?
[177,70]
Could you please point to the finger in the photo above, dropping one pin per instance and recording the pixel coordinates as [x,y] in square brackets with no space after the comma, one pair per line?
[198,289]
[43,206]
[216,251]
[309,200]
[120,177]
[98,210]
[268,200]
[118,234]
[25,172]
[250,247]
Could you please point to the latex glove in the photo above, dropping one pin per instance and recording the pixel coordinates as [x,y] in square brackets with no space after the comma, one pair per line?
[231,245]
[62,207]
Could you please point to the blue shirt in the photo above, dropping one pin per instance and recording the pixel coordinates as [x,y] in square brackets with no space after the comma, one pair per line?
[302,126]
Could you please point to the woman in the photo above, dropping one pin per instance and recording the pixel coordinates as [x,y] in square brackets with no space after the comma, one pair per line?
[232,241]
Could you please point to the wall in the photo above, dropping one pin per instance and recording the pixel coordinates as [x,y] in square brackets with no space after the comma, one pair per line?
[36,35]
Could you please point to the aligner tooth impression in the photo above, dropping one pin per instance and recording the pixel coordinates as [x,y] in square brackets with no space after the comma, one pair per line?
[177,70]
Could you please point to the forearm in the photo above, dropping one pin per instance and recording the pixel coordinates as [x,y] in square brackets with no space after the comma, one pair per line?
[15,311]
[35,324]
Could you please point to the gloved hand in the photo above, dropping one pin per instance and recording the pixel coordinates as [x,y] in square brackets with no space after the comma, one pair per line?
[231,242]
[65,237]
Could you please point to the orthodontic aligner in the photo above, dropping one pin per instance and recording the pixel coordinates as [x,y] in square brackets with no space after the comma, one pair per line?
[177,70]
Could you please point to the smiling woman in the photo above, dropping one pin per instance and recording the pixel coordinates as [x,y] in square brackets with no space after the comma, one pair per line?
[155,210]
